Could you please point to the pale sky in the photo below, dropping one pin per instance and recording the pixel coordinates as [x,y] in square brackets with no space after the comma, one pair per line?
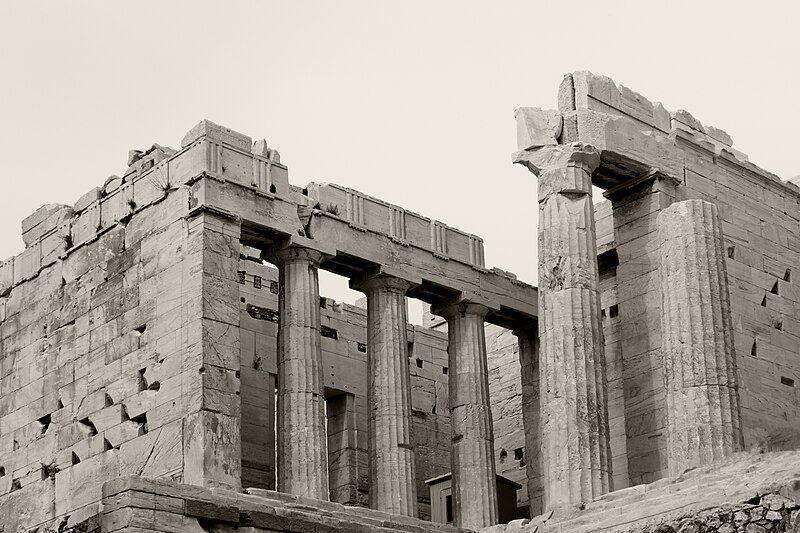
[410,101]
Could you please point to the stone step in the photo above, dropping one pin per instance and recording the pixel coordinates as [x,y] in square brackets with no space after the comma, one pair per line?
[738,481]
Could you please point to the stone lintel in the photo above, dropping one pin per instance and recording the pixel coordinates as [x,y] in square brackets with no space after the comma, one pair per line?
[263,219]
[626,137]
[654,180]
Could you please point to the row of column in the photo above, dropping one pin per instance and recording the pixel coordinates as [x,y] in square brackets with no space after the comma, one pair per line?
[570,428]
[301,436]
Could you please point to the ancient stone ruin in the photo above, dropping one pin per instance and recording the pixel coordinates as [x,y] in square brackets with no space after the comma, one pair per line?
[168,364]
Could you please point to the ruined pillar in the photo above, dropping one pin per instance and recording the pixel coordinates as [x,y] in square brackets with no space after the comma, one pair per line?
[528,339]
[472,454]
[391,450]
[703,415]
[208,289]
[576,458]
[301,435]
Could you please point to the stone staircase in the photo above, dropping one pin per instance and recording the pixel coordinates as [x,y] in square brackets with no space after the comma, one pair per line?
[745,492]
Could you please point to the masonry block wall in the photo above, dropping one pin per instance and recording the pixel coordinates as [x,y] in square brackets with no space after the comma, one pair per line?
[100,365]
[138,335]
[761,219]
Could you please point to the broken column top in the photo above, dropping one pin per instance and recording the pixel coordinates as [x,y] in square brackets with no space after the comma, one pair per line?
[584,90]
[226,135]
[633,134]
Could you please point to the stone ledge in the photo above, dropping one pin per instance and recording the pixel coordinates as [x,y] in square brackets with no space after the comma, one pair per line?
[159,505]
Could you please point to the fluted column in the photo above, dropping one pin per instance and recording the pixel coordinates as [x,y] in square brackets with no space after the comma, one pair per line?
[703,415]
[391,453]
[301,435]
[472,452]
[574,417]
[528,338]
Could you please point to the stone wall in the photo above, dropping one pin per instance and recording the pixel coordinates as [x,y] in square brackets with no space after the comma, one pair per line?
[91,367]
[505,388]
[761,224]
[114,341]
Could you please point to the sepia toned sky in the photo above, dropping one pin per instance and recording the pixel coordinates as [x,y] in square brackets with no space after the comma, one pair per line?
[411,101]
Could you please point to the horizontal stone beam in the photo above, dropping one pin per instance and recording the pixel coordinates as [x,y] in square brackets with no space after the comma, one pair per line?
[269,219]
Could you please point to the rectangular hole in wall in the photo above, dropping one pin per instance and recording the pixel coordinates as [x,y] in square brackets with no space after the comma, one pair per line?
[789,382]
[449,508]
[613,311]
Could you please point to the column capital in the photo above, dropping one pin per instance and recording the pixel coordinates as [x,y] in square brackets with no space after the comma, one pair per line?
[299,248]
[564,168]
[543,158]
[381,281]
[386,278]
[452,308]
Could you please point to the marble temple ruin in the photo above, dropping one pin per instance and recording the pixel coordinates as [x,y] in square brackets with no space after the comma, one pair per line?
[169,365]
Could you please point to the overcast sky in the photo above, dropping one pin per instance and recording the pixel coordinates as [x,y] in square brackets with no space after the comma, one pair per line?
[408,101]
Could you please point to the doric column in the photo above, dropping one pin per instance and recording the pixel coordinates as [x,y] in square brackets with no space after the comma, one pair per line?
[472,453]
[703,415]
[574,418]
[391,453]
[301,435]
[528,338]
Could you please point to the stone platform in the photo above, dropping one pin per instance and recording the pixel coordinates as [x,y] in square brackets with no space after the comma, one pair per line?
[747,492]
[141,505]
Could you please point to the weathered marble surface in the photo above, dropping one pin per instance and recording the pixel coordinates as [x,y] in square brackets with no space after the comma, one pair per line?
[391,450]
[301,436]
[703,415]
[574,420]
[472,454]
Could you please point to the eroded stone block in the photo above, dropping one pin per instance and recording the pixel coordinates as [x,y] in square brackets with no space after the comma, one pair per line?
[219,133]
[211,450]
[537,127]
